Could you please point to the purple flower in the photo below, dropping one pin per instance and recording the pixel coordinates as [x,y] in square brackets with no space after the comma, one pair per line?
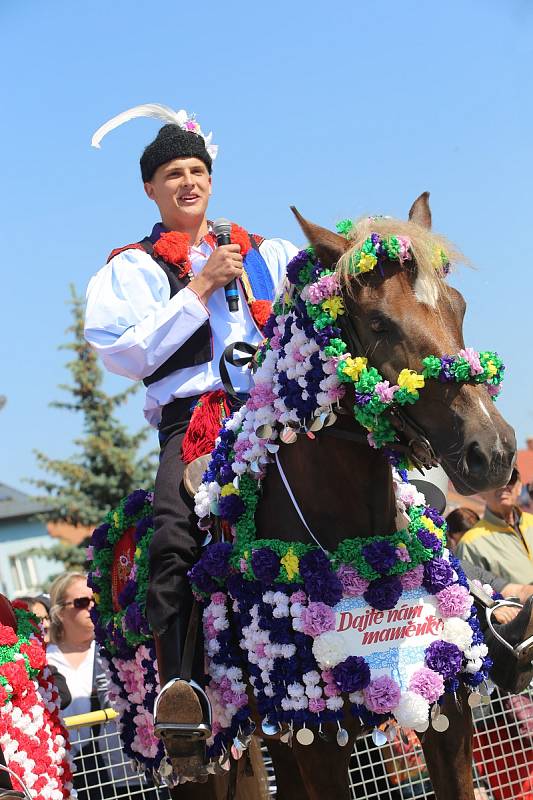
[202,580]
[321,584]
[352,675]
[433,515]
[135,502]
[295,266]
[143,526]
[265,564]
[381,555]
[445,658]
[413,578]
[127,593]
[384,593]
[352,583]
[317,618]
[454,601]
[445,373]
[429,540]
[215,559]
[438,574]
[382,695]
[427,683]
[362,398]
[99,537]
[231,508]
[133,618]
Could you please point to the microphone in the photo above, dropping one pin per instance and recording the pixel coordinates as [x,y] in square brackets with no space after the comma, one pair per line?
[222,230]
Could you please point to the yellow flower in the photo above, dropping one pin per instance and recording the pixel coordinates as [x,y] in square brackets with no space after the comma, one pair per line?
[138,552]
[429,525]
[291,564]
[402,544]
[354,366]
[116,519]
[229,488]
[410,380]
[96,597]
[367,262]
[491,368]
[334,306]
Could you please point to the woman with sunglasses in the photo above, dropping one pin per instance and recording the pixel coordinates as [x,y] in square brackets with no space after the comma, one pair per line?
[72,651]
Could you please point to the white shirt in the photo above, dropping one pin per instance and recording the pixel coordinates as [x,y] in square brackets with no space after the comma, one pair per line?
[80,683]
[135,325]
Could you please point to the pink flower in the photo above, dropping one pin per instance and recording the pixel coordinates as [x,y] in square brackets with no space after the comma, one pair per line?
[298,597]
[317,704]
[331,690]
[405,245]
[382,695]
[472,357]
[352,583]
[90,552]
[413,578]
[261,395]
[317,618]
[427,683]
[454,601]
[243,566]
[385,391]
[494,391]
[403,554]
[219,598]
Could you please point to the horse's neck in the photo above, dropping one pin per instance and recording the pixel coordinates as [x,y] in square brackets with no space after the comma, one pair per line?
[343,489]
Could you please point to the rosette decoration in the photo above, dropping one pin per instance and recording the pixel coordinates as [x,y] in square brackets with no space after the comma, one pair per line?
[119,579]
[33,740]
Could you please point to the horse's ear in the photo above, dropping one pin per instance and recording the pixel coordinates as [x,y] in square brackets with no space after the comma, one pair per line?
[329,246]
[420,211]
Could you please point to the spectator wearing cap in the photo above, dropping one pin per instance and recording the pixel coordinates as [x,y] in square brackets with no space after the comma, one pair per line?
[502,541]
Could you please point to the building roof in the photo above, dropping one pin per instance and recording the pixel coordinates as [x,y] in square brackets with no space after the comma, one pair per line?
[73,534]
[15,504]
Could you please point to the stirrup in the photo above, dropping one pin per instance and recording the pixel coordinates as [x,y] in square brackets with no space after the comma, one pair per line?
[521,648]
[193,731]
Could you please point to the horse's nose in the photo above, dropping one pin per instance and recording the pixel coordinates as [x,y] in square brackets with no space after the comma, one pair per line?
[488,464]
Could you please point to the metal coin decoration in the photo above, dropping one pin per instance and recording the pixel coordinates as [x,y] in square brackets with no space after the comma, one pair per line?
[288,435]
[342,737]
[224,761]
[441,723]
[485,699]
[391,733]
[236,752]
[422,727]
[486,688]
[269,728]
[331,419]
[264,431]
[286,737]
[317,424]
[379,737]
[305,736]
[272,448]
[474,699]
[255,467]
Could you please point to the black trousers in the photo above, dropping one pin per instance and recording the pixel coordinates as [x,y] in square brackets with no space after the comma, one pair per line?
[176,543]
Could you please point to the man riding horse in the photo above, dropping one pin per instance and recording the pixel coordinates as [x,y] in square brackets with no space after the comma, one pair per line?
[157,312]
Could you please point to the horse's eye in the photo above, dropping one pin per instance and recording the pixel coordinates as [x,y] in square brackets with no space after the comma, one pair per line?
[378,325]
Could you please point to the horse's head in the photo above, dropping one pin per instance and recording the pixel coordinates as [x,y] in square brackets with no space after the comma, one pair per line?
[401,310]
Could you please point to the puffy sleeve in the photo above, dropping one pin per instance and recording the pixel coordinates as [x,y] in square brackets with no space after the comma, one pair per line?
[277,254]
[131,320]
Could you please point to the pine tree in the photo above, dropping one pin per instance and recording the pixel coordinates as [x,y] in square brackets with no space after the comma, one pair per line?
[107,465]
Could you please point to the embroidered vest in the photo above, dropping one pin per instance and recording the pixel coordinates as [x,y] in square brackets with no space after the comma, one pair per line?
[198,349]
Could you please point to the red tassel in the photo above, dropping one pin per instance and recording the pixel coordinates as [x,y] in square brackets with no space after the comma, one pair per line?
[209,412]
[261,311]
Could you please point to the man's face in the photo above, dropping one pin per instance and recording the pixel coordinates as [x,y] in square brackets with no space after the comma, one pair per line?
[500,501]
[181,189]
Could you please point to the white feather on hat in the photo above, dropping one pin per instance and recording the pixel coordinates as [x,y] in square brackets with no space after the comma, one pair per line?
[168,115]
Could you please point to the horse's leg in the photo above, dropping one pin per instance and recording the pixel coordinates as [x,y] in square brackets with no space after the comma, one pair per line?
[289,784]
[324,768]
[449,754]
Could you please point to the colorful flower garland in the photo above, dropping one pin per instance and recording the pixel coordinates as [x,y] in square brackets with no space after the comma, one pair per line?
[33,740]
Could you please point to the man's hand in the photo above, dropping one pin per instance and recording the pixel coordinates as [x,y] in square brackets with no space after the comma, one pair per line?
[520,590]
[223,265]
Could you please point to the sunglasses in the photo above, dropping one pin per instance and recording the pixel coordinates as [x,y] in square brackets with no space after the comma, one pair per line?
[514,477]
[79,602]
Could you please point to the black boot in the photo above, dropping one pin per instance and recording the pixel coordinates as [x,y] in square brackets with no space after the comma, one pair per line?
[182,713]
[512,669]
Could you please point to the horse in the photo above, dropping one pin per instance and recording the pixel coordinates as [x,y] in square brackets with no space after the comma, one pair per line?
[333,486]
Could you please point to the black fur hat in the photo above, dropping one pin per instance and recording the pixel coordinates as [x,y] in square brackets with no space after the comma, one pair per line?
[173,142]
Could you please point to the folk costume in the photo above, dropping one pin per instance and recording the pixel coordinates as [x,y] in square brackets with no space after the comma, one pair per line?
[147,324]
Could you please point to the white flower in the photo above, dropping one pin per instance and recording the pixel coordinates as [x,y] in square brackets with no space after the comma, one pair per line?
[458,632]
[412,710]
[329,649]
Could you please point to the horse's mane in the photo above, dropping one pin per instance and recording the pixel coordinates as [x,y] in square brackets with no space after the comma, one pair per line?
[424,246]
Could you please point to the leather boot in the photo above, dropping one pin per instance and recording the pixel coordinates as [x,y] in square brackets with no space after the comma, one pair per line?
[182,714]
[512,669]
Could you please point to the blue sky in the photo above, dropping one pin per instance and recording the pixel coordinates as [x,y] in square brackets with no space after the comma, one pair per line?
[341,109]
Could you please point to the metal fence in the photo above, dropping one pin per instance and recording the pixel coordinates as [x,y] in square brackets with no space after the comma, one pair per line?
[503,759]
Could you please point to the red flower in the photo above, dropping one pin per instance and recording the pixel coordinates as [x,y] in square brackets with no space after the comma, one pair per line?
[239,236]
[35,654]
[261,310]
[3,695]
[20,604]
[173,247]
[7,635]
[16,675]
